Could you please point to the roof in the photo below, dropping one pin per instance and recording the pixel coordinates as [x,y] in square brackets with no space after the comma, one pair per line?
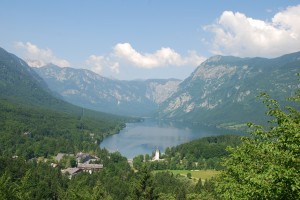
[71,171]
[89,166]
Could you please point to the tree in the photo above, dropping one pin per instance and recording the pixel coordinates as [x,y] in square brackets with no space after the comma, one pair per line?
[181,195]
[189,175]
[266,165]
[25,186]
[100,193]
[73,162]
[6,187]
[199,186]
[143,188]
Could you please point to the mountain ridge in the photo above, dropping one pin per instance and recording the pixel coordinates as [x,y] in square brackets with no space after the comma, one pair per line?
[228,84]
[222,89]
[88,89]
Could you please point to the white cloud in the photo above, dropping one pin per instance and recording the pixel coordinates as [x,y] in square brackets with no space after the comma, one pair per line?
[98,63]
[115,68]
[36,57]
[237,34]
[95,63]
[162,57]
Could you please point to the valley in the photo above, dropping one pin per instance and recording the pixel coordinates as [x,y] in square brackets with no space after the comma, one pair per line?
[150,100]
[220,85]
[77,112]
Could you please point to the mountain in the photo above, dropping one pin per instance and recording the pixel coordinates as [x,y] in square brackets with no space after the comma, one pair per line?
[36,122]
[88,89]
[224,89]
[21,83]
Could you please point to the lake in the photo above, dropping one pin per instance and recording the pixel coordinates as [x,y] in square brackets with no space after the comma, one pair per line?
[144,137]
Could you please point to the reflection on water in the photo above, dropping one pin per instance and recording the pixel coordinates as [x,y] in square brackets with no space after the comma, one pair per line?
[144,137]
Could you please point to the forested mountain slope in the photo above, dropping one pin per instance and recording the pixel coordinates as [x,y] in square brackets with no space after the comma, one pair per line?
[34,122]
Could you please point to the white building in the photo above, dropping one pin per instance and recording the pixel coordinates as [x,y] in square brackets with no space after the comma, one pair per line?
[156,156]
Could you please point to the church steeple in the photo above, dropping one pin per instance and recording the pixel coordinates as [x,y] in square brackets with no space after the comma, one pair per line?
[156,157]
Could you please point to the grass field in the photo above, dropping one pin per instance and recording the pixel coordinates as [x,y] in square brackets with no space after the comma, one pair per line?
[196,174]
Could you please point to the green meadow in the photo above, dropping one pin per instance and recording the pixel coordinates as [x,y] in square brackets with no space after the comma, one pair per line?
[196,174]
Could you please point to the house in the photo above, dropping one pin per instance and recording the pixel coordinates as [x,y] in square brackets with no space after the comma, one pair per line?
[27,133]
[82,157]
[54,165]
[85,158]
[89,167]
[71,171]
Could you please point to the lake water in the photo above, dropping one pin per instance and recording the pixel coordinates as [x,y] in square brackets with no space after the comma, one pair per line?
[144,137]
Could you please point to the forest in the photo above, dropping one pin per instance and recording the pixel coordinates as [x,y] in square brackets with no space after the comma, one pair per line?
[31,131]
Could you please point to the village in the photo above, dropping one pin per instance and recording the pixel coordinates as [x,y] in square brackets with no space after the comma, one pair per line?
[85,162]
[81,162]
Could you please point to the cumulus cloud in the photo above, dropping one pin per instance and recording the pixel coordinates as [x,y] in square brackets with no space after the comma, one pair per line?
[162,57]
[95,63]
[115,68]
[36,57]
[237,34]
[98,63]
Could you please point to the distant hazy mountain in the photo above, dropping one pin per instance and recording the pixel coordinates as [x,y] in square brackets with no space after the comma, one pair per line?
[224,89]
[88,89]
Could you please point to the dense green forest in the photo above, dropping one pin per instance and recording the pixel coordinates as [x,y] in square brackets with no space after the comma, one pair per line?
[33,132]
[20,179]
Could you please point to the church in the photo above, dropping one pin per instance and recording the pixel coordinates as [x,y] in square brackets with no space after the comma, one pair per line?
[156,156]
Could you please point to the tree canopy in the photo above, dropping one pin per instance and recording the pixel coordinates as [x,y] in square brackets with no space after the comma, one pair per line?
[266,165]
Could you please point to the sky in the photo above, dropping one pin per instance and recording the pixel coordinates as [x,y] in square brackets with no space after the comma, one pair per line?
[143,39]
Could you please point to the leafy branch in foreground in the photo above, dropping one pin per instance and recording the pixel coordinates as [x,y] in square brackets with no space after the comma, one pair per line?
[267,165]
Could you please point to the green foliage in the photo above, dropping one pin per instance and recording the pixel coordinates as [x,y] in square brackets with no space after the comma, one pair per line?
[143,188]
[189,175]
[30,131]
[100,193]
[204,153]
[6,187]
[267,165]
[199,186]
[29,180]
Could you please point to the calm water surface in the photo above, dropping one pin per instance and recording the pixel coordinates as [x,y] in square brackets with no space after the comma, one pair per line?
[144,137]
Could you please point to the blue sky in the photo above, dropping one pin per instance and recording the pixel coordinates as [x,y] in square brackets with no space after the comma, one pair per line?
[142,39]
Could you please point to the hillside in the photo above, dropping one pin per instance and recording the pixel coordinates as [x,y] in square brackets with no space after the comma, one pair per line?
[19,83]
[34,122]
[88,89]
[224,89]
